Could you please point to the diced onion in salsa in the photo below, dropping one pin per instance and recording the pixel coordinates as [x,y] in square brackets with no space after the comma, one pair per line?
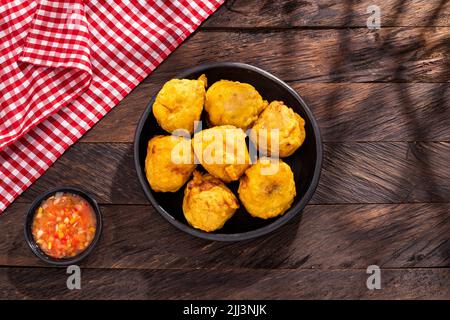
[64,225]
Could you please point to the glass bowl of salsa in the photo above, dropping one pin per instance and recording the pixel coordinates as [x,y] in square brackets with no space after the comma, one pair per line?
[63,225]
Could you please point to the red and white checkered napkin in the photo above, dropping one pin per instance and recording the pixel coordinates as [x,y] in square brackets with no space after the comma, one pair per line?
[65,63]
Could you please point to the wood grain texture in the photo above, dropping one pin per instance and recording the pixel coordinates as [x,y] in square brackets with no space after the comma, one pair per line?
[376,172]
[345,112]
[385,172]
[329,55]
[323,237]
[328,13]
[50,283]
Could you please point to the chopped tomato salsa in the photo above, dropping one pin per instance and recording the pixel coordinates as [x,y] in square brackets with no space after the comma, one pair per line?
[64,225]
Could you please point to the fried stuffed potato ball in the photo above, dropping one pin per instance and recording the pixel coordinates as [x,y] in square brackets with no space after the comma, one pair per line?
[233,103]
[169,163]
[267,189]
[289,126]
[208,203]
[179,103]
[222,151]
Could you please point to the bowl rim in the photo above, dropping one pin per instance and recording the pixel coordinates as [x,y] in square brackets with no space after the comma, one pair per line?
[29,219]
[281,220]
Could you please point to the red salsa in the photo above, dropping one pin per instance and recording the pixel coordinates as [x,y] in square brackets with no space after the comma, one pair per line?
[64,225]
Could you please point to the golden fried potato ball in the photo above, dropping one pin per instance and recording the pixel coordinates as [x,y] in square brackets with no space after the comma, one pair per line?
[208,203]
[222,151]
[289,126]
[267,188]
[233,103]
[180,103]
[169,163]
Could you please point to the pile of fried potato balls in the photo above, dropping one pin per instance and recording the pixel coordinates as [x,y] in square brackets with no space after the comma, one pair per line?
[266,186]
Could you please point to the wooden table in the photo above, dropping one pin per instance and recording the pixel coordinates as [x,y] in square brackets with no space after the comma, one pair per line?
[382,100]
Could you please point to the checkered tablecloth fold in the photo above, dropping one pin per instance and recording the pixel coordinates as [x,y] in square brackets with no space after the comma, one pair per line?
[48,67]
[58,37]
[65,63]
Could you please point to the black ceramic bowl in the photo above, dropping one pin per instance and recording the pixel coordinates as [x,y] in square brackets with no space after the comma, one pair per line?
[29,220]
[305,162]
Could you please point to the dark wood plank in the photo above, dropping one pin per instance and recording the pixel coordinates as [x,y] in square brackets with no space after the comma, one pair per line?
[345,112]
[43,283]
[328,13]
[385,173]
[376,172]
[380,112]
[120,123]
[323,237]
[105,169]
[329,55]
